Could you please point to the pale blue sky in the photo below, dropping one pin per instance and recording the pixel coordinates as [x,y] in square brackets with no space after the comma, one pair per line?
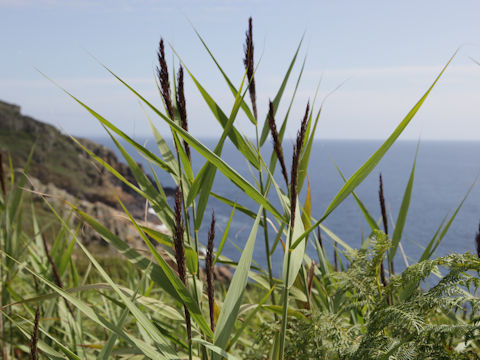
[388,51]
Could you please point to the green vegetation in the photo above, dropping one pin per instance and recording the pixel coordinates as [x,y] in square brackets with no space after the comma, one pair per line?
[139,306]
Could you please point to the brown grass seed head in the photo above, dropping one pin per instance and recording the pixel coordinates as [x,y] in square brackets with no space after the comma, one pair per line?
[248,61]
[277,145]
[162,73]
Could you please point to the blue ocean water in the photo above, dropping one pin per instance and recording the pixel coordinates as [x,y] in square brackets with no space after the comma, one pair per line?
[445,171]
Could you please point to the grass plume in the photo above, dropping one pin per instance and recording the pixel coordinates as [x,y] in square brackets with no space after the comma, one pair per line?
[162,73]
[297,149]
[382,205]
[209,271]
[277,145]
[250,66]
[385,225]
[180,251]
[182,108]
[34,339]
[320,241]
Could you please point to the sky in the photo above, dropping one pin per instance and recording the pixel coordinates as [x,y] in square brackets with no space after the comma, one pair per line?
[370,60]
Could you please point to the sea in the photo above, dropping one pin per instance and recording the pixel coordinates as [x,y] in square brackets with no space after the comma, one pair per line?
[445,171]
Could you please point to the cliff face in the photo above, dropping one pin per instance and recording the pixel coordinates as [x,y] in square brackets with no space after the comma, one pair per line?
[58,160]
[65,171]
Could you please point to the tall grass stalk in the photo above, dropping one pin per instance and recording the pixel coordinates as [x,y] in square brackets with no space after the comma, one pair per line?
[297,148]
[34,340]
[249,66]
[209,272]
[383,209]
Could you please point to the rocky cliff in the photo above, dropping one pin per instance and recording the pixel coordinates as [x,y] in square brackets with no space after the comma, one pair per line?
[62,169]
[58,160]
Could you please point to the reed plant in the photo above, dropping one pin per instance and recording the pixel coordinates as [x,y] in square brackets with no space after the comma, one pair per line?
[315,309]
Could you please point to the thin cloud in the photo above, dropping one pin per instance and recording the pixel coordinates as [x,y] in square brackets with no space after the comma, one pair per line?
[464,70]
[126,5]
[7,83]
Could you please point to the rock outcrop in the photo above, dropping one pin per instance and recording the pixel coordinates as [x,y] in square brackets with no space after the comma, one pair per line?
[61,168]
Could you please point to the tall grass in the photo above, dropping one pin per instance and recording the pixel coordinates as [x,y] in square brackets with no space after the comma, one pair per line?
[316,309]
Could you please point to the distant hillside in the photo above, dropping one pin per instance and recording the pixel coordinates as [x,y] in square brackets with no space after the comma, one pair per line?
[63,170]
[59,161]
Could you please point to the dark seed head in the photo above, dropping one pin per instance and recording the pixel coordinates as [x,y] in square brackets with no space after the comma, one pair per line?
[477,241]
[297,149]
[182,108]
[180,253]
[320,241]
[382,205]
[335,257]
[178,237]
[209,271]
[277,145]
[249,65]
[34,339]
[162,73]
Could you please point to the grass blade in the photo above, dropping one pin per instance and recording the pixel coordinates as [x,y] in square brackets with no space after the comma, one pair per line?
[233,134]
[278,96]
[402,214]
[234,91]
[372,162]
[161,274]
[224,237]
[439,235]
[216,349]
[204,181]
[368,217]
[231,305]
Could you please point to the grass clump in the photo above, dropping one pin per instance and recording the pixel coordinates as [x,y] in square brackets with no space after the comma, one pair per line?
[145,305]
